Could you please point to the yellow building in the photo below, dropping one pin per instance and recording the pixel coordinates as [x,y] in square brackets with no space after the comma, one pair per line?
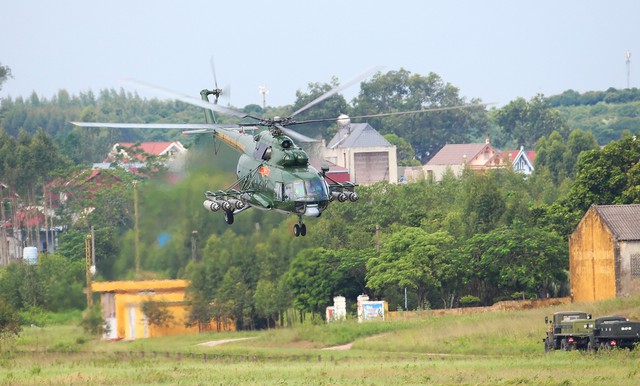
[122,303]
[604,253]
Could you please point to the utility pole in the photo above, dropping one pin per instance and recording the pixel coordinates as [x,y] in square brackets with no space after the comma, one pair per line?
[194,250]
[136,231]
[87,255]
[263,90]
[4,248]
[627,56]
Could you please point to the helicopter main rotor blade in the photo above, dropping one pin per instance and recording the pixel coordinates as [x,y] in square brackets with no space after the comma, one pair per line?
[295,135]
[213,70]
[336,90]
[165,126]
[435,109]
[190,100]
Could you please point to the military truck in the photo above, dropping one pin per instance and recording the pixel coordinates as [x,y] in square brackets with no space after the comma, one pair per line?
[569,330]
[614,331]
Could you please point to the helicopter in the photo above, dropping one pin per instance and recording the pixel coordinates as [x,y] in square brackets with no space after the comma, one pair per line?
[273,172]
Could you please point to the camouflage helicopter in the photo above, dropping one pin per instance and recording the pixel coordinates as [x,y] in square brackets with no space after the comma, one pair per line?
[273,173]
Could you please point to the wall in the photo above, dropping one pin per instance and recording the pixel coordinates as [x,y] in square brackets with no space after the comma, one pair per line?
[346,157]
[629,268]
[509,305]
[130,322]
[592,260]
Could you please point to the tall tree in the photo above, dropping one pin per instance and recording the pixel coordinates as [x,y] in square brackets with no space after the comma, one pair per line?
[515,259]
[399,91]
[526,121]
[5,73]
[607,176]
[411,257]
[331,107]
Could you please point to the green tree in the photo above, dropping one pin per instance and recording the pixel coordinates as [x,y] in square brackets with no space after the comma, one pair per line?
[525,122]
[5,73]
[411,257]
[406,155]
[578,142]
[331,107]
[265,299]
[606,176]
[400,91]
[483,201]
[314,279]
[235,296]
[157,313]
[515,259]
[9,322]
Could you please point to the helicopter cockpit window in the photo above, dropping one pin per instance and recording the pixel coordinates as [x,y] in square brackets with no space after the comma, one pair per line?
[305,189]
[316,187]
[298,189]
[279,191]
[286,144]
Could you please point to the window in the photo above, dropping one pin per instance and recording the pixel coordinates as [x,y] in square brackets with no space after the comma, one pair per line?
[635,265]
[279,190]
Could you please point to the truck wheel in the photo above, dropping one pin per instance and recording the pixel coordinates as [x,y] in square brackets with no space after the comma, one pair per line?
[591,346]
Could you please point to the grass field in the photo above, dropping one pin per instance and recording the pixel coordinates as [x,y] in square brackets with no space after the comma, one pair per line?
[497,348]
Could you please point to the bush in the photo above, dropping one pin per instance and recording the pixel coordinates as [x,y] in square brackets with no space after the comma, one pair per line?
[92,323]
[469,301]
[9,322]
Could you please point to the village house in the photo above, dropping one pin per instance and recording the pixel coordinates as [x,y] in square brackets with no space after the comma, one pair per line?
[604,253]
[457,157]
[127,152]
[521,160]
[367,155]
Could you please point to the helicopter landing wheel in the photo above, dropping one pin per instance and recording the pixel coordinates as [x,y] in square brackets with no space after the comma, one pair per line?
[299,230]
[228,216]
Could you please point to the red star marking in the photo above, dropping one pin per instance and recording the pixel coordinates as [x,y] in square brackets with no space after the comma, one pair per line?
[264,171]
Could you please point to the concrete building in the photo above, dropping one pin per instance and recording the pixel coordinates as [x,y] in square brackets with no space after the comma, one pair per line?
[122,303]
[604,253]
[367,155]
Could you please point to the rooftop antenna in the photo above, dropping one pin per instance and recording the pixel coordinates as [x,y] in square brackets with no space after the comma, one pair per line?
[263,90]
[627,56]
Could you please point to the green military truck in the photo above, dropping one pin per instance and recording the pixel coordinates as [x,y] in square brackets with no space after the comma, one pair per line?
[568,330]
[614,331]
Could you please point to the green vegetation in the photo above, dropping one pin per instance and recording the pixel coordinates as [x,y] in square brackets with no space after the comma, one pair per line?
[486,348]
[442,241]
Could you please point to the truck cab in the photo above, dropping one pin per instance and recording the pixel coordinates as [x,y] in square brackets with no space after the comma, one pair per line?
[568,330]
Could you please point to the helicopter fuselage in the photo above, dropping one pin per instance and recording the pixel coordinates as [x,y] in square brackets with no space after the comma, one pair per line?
[274,174]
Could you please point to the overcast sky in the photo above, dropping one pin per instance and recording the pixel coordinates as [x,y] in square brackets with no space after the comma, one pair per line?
[493,50]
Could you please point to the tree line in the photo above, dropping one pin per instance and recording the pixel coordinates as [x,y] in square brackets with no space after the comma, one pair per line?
[473,239]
